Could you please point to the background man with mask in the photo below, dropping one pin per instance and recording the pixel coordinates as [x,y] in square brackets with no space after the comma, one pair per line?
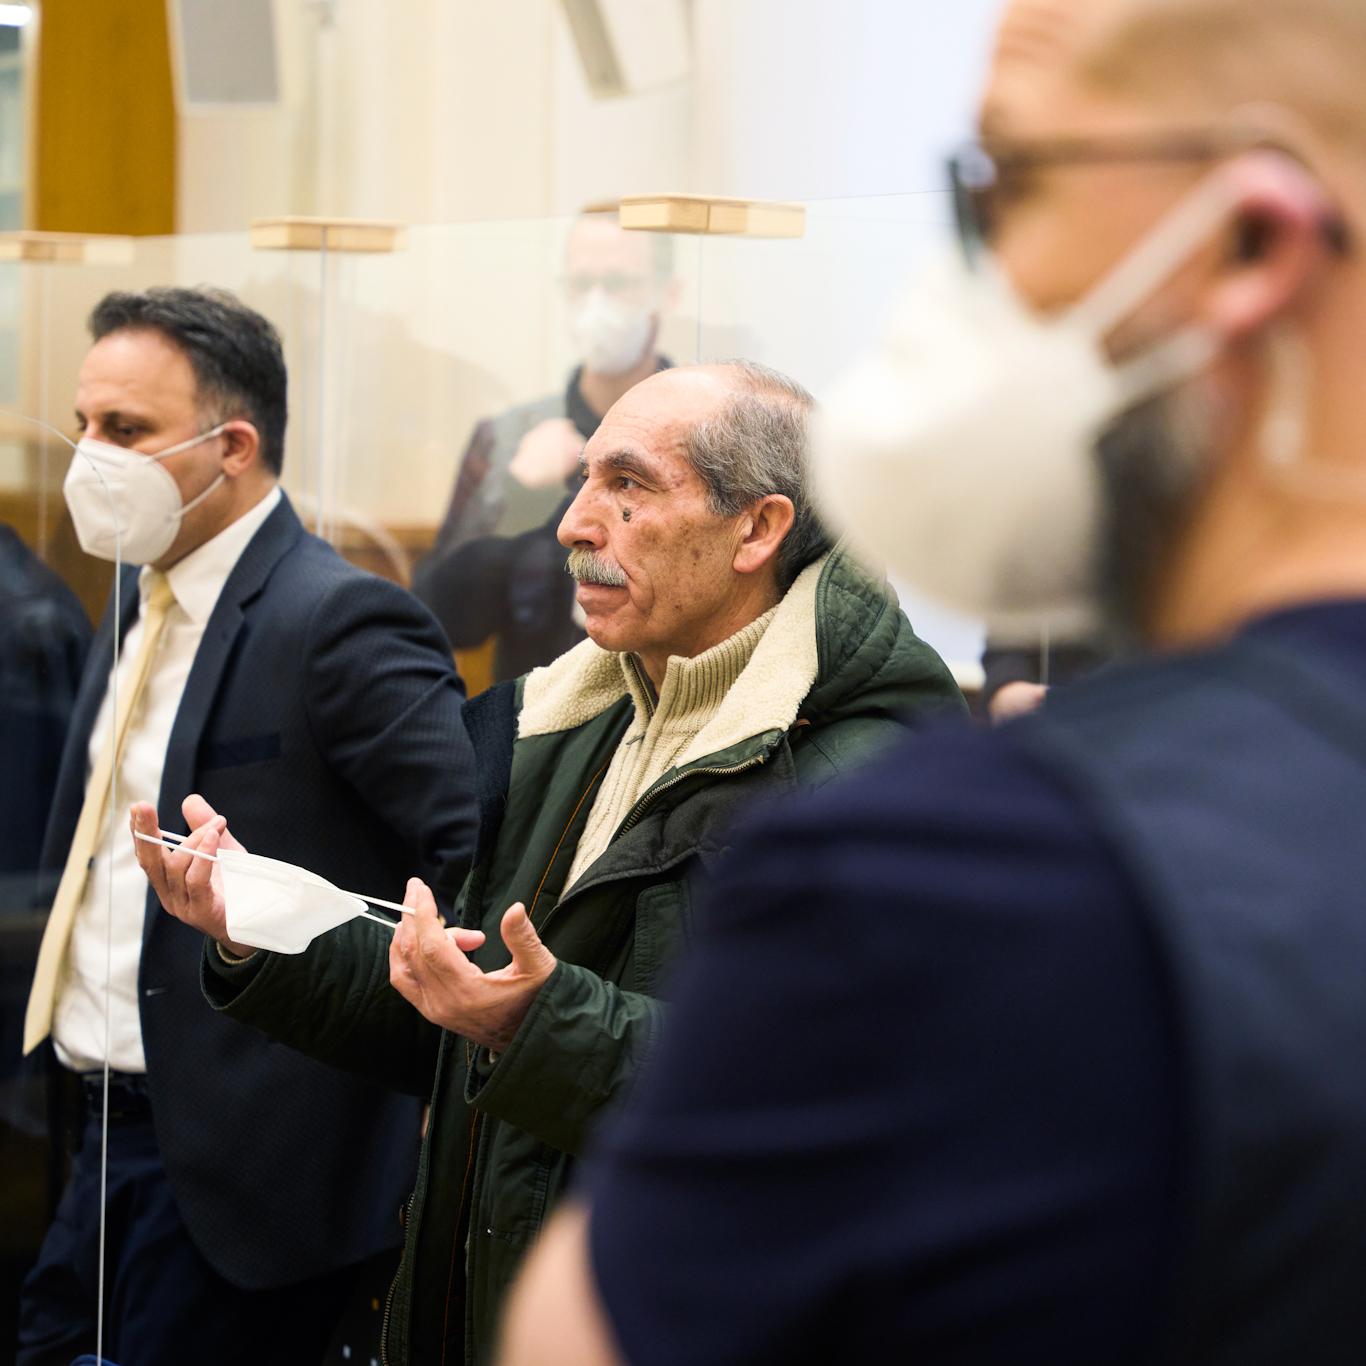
[496,568]
[1079,1077]
[318,704]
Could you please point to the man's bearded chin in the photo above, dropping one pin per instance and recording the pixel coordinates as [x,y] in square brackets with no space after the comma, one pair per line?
[587,567]
[1152,461]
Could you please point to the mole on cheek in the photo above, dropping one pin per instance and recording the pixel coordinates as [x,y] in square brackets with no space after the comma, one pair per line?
[626,514]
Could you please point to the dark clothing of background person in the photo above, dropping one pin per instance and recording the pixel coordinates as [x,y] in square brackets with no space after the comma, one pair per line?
[1066,663]
[511,587]
[497,568]
[1080,1066]
[44,639]
[322,716]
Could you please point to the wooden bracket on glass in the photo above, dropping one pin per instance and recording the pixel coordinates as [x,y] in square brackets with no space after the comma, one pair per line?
[705,213]
[71,248]
[327,234]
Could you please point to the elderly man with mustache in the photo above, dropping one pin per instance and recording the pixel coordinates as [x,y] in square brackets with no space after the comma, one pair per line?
[732,656]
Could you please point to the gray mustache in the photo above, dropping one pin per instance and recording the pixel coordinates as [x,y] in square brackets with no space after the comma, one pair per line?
[587,567]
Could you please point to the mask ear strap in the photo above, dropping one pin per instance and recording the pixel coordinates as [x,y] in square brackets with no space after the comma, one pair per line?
[1178,358]
[200,497]
[193,441]
[1157,257]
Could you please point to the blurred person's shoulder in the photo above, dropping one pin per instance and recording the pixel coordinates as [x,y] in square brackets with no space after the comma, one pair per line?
[952,809]
[38,609]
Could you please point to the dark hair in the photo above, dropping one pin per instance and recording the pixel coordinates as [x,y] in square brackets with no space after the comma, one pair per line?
[755,446]
[235,353]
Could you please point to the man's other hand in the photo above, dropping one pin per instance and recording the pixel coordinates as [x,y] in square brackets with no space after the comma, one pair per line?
[427,967]
[547,455]
[190,888]
[1015,700]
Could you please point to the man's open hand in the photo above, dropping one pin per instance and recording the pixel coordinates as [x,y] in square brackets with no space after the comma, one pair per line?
[427,968]
[190,888]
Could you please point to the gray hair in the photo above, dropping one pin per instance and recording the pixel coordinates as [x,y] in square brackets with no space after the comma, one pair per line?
[756,446]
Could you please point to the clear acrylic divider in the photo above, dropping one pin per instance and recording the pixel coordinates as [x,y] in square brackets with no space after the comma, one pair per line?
[394,357]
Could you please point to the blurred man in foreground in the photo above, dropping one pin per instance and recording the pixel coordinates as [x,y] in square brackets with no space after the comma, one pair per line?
[732,657]
[497,568]
[1079,1077]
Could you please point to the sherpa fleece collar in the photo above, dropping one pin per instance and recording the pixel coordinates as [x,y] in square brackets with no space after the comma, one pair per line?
[767,695]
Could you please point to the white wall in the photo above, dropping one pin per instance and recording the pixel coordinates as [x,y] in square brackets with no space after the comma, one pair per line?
[448,111]
[436,110]
[820,99]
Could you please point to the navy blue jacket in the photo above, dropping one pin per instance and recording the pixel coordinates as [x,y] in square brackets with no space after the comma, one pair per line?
[322,717]
[1036,1045]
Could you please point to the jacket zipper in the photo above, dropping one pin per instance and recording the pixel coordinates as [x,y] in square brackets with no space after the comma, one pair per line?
[388,1307]
[648,800]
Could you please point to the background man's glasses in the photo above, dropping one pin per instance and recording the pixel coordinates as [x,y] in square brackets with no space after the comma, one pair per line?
[618,283]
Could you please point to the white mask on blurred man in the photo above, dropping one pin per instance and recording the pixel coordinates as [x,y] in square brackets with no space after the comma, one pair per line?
[961,451]
[612,337]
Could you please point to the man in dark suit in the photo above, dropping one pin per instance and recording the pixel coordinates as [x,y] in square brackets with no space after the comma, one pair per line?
[319,705]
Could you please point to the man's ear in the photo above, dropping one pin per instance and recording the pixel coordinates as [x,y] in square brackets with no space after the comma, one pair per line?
[1277,247]
[763,529]
[241,447]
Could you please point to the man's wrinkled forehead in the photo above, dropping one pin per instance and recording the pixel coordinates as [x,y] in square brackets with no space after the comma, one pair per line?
[648,427]
[1039,48]
[644,445]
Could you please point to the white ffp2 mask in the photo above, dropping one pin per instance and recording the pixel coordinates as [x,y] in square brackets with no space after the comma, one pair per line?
[123,502]
[612,337]
[278,906]
[270,904]
[960,452]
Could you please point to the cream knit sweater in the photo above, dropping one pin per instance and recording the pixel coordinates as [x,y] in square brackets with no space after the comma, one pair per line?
[691,696]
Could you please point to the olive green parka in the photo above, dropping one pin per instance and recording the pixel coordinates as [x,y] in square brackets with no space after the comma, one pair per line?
[832,680]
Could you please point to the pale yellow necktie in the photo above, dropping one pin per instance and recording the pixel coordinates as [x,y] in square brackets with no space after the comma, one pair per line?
[42,1000]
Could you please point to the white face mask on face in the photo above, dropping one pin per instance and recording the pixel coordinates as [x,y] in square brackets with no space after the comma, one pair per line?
[961,452]
[612,337]
[124,503]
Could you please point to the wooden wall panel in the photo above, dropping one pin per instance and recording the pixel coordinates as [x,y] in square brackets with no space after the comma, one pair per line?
[104,145]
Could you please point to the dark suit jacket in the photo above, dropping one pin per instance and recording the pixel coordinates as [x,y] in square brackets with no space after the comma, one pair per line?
[322,717]
[44,637]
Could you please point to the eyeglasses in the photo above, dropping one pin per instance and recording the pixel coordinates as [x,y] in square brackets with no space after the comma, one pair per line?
[985,177]
[618,283]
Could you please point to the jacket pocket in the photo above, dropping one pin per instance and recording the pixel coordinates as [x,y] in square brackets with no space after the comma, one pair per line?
[251,749]
[663,926]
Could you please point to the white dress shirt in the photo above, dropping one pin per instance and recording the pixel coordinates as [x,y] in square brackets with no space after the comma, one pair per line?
[103,969]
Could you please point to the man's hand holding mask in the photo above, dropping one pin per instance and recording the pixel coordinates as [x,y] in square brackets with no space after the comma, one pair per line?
[190,888]
[427,962]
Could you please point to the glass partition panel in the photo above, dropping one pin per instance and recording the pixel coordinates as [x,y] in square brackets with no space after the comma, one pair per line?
[417,376]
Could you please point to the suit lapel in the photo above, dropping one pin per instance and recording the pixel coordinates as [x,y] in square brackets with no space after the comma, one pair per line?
[279,533]
[69,796]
